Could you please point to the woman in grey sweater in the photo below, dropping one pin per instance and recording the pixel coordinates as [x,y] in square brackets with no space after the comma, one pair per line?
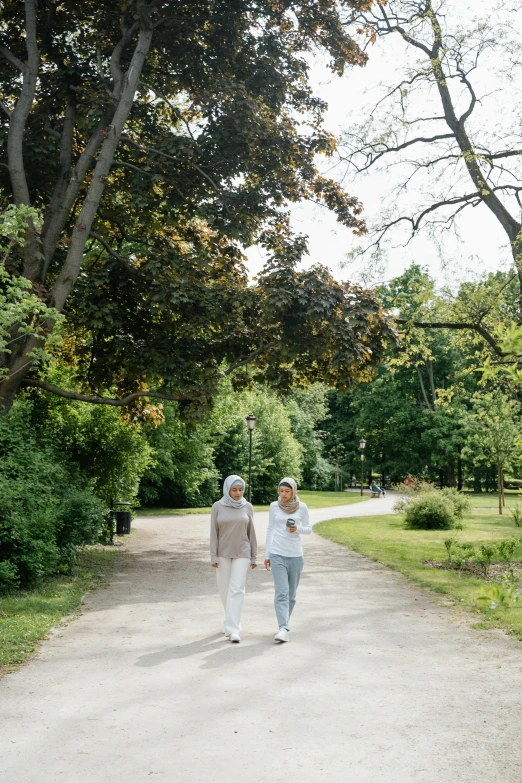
[233,547]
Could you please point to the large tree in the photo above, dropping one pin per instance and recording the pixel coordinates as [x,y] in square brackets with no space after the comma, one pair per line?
[447,141]
[158,139]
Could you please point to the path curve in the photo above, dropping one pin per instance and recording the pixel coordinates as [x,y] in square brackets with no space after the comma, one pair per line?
[381,682]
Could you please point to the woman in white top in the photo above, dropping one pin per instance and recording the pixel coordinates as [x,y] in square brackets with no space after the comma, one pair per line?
[287,520]
[233,548]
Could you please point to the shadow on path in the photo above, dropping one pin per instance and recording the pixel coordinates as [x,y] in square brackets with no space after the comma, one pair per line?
[218,650]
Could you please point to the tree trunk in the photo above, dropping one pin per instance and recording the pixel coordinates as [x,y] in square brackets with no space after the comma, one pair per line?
[429,368]
[499,481]
[460,483]
[423,389]
[19,362]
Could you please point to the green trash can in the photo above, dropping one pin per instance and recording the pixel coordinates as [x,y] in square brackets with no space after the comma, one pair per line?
[123,516]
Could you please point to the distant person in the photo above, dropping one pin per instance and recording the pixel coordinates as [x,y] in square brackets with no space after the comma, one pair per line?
[376,489]
[408,480]
[233,547]
[354,481]
[287,520]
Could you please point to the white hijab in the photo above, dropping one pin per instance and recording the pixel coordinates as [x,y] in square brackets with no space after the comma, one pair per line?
[226,500]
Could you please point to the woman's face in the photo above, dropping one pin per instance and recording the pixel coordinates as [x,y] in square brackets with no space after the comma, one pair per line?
[236,493]
[285,493]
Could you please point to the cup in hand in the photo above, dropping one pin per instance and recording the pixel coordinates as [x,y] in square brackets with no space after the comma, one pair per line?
[290,523]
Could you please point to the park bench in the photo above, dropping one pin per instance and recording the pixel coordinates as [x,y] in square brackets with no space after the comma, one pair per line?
[374,494]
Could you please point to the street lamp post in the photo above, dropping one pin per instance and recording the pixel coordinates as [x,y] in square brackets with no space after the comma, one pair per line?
[362,446]
[251,423]
[381,455]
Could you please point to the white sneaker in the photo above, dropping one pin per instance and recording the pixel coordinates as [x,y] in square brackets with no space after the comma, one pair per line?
[235,637]
[282,636]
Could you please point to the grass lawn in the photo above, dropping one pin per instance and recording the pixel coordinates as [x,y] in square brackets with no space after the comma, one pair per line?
[384,538]
[490,499]
[312,500]
[26,617]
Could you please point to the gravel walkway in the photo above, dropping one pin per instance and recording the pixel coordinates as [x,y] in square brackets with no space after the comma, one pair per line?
[381,681]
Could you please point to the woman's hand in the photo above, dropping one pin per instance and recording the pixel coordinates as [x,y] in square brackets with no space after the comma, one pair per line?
[215,565]
[267,565]
[292,529]
[253,565]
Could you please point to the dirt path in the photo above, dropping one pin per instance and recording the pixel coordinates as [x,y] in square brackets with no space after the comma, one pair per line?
[379,682]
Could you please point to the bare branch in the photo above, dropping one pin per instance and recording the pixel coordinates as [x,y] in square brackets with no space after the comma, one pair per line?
[505,154]
[374,156]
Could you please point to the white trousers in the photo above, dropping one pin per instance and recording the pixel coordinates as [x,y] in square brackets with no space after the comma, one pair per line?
[231,580]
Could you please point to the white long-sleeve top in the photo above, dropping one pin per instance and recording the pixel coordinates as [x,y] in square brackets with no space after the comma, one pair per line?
[278,540]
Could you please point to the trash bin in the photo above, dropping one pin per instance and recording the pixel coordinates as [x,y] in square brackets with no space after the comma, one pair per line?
[122,513]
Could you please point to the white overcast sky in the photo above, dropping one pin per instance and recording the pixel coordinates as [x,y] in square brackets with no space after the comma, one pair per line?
[482,245]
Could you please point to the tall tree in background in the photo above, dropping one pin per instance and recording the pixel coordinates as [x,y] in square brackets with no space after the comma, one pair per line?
[436,121]
[495,435]
[157,139]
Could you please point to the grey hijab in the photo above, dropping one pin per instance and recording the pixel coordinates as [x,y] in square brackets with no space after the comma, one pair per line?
[226,500]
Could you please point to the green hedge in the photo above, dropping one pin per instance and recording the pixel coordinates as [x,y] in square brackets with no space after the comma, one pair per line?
[47,510]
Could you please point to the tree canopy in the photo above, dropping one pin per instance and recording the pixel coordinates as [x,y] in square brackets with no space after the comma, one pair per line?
[158,140]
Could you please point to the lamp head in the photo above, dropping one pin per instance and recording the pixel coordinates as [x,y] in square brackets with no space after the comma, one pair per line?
[251,421]
[362,443]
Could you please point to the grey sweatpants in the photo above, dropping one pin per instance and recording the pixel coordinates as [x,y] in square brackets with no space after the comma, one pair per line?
[286,572]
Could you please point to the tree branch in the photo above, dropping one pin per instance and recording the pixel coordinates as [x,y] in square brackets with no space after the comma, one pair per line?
[10,57]
[248,359]
[5,109]
[70,270]
[455,325]
[19,115]
[123,261]
[423,389]
[97,400]
[374,156]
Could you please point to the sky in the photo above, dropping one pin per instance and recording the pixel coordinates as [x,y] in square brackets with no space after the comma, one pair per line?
[481,245]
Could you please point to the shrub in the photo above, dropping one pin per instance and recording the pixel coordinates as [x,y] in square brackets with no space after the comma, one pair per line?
[461,503]
[430,511]
[497,597]
[8,576]
[516,515]
[506,549]
[485,556]
[79,519]
[418,486]
[462,553]
[46,509]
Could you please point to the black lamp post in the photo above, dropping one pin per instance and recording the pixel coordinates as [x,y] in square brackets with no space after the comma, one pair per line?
[251,423]
[381,455]
[362,446]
